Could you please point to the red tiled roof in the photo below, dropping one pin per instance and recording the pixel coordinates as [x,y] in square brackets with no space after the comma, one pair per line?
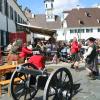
[40,21]
[83,17]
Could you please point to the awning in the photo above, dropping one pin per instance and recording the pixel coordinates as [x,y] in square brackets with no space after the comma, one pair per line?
[39,30]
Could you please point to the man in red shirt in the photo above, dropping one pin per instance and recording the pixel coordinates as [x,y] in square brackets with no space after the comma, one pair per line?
[25,51]
[74,53]
[38,60]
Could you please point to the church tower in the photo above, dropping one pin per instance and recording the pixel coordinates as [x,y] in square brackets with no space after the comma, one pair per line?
[49,10]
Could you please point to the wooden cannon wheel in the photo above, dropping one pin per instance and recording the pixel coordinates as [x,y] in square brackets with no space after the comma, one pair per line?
[59,85]
[21,88]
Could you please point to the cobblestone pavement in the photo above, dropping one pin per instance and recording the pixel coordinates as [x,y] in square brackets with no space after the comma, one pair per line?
[89,89]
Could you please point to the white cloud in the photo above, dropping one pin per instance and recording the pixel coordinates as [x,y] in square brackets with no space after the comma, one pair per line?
[61,5]
[96,5]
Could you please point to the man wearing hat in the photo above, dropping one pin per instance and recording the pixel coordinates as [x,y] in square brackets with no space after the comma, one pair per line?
[91,58]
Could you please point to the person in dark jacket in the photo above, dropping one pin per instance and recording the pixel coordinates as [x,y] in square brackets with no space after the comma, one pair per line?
[91,58]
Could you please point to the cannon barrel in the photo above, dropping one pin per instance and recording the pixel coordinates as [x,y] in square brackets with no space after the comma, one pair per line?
[25,70]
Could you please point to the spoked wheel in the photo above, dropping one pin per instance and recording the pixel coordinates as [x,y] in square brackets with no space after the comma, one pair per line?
[21,87]
[59,85]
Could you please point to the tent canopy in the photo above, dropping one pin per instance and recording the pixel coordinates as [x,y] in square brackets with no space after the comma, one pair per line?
[39,30]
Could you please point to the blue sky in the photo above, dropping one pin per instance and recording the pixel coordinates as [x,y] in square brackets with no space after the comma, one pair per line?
[37,6]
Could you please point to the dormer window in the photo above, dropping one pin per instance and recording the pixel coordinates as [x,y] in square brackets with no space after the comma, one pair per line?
[81,22]
[98,20]
[87,14]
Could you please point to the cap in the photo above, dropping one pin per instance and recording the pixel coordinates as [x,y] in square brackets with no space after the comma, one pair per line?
[91,39]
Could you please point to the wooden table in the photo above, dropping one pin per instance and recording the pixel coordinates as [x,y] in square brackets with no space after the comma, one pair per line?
[3,70]
[7,68]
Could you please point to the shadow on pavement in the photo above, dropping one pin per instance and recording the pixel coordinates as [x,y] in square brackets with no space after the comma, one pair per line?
[81,68]
[76,89]
[38,98]
[98,77]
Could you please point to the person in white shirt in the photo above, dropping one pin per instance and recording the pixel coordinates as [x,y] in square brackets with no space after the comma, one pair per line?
[91,59]
[29,46]
[9,47]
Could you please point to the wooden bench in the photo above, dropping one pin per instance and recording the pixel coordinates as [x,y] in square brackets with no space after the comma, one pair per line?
[7,82]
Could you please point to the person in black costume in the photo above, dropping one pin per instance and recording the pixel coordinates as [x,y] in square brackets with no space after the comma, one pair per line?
[91,58]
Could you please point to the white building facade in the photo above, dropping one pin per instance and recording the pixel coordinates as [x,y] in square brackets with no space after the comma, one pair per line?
[10,14]
[82,23]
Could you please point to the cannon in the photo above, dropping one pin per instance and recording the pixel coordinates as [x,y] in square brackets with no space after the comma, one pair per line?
[26,81]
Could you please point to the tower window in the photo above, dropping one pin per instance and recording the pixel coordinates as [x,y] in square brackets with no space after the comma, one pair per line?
[46,5]
[51,5]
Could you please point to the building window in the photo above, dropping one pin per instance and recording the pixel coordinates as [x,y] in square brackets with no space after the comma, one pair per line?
[11,12]
[24,22]
[71,31]
[0,37]
[0,5]
[18,18]
[21,20]
[98,29]
[80,30]
[3,38]
[15,13]
[89,30]
[6,8]
[75,31]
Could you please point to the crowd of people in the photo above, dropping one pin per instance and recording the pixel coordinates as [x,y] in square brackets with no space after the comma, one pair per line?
[73,51]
